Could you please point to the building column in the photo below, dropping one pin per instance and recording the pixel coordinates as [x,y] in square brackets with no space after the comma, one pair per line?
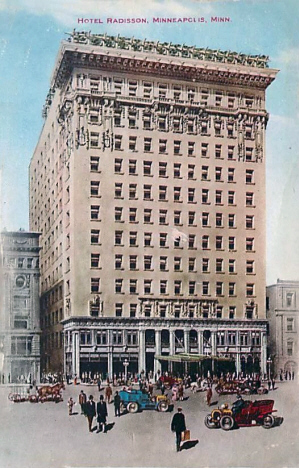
[110,356]
[213,348]
[200,341]
[171,347]
[158,350]
[263,353]
[186,341]
[76,354]
[141,360]
[238,355]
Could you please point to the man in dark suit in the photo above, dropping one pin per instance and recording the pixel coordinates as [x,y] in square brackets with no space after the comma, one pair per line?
[102,414]
[178,425]
[90,411]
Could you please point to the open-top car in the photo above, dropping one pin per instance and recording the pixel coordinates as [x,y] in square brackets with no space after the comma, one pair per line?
[242,414]
[136,400]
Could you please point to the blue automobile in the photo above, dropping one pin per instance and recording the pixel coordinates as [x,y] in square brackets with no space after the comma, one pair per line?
[136,400]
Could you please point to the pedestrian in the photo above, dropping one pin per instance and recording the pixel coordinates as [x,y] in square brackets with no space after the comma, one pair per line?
[117,401]
[82,401]
[108,393]
[293,375]
[269,384]
[174,395]
[178,425]
[70,404]
[102,414]
[273,383]
[209,395]
[162,388]
[90,411]
[99,382]
[181,392]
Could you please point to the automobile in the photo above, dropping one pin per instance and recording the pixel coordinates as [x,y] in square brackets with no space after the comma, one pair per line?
[168,381]
[242,414]
[136,400]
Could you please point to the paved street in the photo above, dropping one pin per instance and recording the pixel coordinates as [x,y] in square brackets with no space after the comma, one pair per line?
[43,435]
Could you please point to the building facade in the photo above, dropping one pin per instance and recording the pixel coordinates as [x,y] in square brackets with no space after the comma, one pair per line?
[283,314]
[148,187]
[19,324]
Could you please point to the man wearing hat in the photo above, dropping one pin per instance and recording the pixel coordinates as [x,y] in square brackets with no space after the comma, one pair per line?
[178,425]
[90,411]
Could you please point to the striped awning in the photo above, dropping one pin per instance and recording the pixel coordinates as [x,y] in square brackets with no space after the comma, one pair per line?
[187,357]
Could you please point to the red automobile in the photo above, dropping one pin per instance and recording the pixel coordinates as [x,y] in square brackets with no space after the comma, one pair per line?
[169,381]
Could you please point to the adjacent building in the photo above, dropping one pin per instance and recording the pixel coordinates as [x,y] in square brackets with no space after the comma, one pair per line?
[148,187]
[283,315]
[19,307]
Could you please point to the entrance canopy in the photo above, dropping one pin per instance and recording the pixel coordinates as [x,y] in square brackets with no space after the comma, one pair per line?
[187,357]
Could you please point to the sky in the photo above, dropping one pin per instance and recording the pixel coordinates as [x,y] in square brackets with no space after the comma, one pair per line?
[30,35]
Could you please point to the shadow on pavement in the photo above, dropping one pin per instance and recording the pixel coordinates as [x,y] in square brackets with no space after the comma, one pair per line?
[109,426]
[278,420]
[189,444]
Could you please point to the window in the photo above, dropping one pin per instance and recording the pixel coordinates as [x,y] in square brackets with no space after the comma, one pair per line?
[133,239]
[101,338]
[147,262]
[147,146]
[177,264]
[249,198]
[95,236]
[163,263]
[132,167]
[133,262]
[191,288]
[147,192]
[219,219]
[95,260]
[249,176]
[205,288]
[162,90]
[163,239]
[204,127]
[133,310]
[117,142]
[218,173]
[217,126]
[147,121]
[218,197]
[191,195]
[118,190]
[177,218]
[230,130]
[204,173]
[132,215]
[191,148]
[249,244]
[132,191]
[177,124]
[205,242]
[95,285]
[219,265]
[230,174]
[163,286]
[290,324]
[118,286]
[117,117]
[231,220]
[191,171]
[231,243]
[249,267]
[191,264]
[191,241]
[177,91]
[147,286]
[191,218]
[118,262]
[147,90]
[177,242]
[177,194]
[162,146]
[249,222]
[177,147]
[219,288]
[231,152]
[231,198]
[249,289]
[177,171]
[147,216]
[132,143]
[94,138]
[117,337]
[147,168]
[133,286]
[118,214]
[290,348]
[231,338]
[248,151]
[147,239]
[231,289]
[95,212]
[118,310]
[132,119]
[162,217]
[218,151]
[290,297]
[162,169]
[244,339]
[232,312]
[118,165]
[205,219]
[177,287]
[205,265]
[231,266]
[162,193]
[205,196]
[204,150]
[94,163]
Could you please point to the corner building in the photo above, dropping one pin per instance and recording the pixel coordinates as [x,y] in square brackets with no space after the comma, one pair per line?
[148,188]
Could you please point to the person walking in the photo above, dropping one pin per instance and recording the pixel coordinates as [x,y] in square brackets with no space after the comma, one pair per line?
[108,393]
[82,401]
[117,401]
[70,404]
[209,395]
[178,425]
[90,411]
[102,414]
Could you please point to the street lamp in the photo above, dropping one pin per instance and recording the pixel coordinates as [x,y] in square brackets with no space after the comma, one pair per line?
[125,364]
[269,362]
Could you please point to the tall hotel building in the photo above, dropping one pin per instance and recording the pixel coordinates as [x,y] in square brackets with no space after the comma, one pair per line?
[148,188]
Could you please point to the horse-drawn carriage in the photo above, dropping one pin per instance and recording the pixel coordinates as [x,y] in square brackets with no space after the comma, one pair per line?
[42,394]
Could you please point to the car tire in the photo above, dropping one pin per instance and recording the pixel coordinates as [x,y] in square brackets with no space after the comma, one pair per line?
[133,407]
[163,406]
[121,408]
[268,421]
[209,422]
[226,422]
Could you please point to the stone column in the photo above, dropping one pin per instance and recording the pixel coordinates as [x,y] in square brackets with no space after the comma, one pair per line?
[200,341]
[186,341]
[171,347]
[76,354]
[213,349]
[110,355]
[141,360]
[238,354]
[263,352]
[158,350]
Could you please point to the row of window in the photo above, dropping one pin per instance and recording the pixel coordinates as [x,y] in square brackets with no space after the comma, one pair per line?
[203,288]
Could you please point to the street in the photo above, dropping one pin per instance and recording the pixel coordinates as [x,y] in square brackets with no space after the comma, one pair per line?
[44,435]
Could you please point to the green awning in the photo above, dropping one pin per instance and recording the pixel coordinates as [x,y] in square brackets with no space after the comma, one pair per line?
[187,357]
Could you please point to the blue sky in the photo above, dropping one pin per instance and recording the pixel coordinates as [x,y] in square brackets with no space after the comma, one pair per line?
[31,32]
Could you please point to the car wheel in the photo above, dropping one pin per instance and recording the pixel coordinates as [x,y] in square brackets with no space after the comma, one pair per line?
[133,407]
[226,422]
[121,408]
[163,406]
[268,421]
[209,422]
